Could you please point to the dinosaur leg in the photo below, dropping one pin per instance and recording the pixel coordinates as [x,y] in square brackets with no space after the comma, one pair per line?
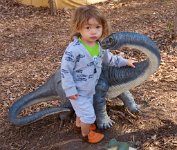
[102,119]
[66,116]
[128,100]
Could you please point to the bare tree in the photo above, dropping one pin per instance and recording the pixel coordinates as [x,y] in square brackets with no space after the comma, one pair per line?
[53,7]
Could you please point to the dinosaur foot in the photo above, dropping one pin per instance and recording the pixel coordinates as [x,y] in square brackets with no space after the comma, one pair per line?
[104,123]
[133,108]
[134,114]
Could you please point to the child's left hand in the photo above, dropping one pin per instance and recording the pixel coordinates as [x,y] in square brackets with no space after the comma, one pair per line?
[131,63]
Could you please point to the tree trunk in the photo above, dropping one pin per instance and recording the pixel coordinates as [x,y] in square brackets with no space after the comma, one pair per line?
[53,7]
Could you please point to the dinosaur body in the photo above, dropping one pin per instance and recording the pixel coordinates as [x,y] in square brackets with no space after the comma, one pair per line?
[113,82]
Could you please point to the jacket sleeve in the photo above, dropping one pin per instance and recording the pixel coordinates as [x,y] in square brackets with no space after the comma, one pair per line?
[67,69]
[113,60]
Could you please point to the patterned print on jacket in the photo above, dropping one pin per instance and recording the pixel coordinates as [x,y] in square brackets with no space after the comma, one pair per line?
[80,71]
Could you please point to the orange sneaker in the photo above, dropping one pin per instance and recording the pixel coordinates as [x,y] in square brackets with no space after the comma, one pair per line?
[93,137]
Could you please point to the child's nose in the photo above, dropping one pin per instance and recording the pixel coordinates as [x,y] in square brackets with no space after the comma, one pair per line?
[93,31]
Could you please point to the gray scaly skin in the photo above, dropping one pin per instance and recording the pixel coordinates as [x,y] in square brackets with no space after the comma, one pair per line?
[113,82]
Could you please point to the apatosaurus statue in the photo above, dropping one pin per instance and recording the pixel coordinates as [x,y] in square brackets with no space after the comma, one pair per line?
[113,82]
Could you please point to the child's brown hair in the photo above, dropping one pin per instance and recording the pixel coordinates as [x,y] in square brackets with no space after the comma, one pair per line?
[83,14]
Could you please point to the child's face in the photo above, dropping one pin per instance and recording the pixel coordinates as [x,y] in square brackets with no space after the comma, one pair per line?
[91,31]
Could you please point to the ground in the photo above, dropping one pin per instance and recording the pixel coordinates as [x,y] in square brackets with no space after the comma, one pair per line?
[32,44]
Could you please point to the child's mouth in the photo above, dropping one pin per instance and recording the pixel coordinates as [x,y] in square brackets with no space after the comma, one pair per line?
[93,37]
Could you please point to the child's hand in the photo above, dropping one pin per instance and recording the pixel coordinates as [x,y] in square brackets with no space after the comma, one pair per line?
[130,63]
[74,97]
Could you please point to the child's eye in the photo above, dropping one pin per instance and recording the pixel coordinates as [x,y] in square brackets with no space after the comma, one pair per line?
[87,28]
[98,27]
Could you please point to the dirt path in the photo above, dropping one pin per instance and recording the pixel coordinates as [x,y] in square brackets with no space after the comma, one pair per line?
[32,43]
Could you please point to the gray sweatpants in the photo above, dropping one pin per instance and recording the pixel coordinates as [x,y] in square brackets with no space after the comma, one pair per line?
[83,107]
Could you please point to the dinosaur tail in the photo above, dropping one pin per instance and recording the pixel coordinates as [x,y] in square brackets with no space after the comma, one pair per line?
[126,78]
[43,93]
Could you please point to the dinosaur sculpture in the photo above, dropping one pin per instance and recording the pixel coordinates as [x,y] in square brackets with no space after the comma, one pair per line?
[113,82]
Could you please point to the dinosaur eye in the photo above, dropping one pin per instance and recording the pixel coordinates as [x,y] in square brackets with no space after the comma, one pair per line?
[110,40]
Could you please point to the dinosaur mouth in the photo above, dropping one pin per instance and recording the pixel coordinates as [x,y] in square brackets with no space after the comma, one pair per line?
[108,42]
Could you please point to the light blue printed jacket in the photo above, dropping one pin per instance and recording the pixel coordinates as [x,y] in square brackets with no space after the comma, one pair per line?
[80,71]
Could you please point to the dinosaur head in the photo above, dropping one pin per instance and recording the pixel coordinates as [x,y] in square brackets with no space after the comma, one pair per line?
[108,42]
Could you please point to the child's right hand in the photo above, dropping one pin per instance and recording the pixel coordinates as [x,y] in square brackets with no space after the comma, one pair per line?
[131,63]
[74,97]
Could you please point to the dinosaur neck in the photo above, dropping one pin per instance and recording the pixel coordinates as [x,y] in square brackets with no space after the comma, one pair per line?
[126,78]
[123,75]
